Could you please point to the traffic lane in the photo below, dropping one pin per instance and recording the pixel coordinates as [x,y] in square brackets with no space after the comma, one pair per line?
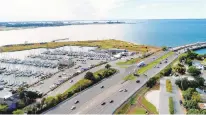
[117,97]
[98,99]
[86,95]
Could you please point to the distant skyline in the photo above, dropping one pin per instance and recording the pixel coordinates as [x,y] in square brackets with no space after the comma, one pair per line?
[49,10]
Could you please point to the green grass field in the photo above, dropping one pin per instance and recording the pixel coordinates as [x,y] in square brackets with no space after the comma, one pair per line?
[129,77]
[152,64]
[103,44]
[149,106]
[139,111]
[129,62]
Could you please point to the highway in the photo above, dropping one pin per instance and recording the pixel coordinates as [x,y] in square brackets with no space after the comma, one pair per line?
[121,97]
[92,97]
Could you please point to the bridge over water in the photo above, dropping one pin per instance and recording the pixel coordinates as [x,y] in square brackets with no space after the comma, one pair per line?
[194,46]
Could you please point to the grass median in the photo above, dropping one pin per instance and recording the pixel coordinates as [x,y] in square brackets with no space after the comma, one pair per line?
[152,64]
[129,77]
[129,62]
[168,86]
[171,105]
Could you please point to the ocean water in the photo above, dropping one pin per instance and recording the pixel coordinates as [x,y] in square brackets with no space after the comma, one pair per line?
[201,51]
[150,32]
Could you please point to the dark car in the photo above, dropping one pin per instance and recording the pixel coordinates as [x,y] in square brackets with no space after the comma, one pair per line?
[111,101]
[138,81]
[125,90]
[103,103]
[102,86]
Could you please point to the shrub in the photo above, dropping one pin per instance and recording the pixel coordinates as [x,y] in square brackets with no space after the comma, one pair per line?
[18,111]
[194,71]
[152,81]
[171,105]
[3,109]
[168,85]
[90,76]
[194,111]
[190,104]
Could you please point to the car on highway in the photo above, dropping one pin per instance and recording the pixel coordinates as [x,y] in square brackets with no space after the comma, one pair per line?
[102,87]
[125,90]
[73,107]
[138,81]
[103,103]
[76,102]
[120,90]
[41,82]
[71,81]
[111,101]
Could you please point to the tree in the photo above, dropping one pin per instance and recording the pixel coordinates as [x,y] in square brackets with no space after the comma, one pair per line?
[200,81]
[191,54]
[183,84]
[164,48]
[3,109]
[179,68]
[167,71]
[190,104]
[188,62]
[193,111]
[182,57]
[50,101]
[188,93]
[194,71]
[203,112]
[200,57]
[90,76]
[21,103]
[107,66]
[18,111]
[151,82]
[196,97]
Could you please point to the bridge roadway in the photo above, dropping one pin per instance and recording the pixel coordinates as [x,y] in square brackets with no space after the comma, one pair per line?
[91,99]
[193,46]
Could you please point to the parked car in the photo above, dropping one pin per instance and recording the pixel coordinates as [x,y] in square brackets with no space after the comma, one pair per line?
[125,90]
[102,87]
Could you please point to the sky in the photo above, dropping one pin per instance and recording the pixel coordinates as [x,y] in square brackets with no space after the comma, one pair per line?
[38,10]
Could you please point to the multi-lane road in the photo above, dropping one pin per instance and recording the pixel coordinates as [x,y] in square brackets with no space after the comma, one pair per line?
[90,100]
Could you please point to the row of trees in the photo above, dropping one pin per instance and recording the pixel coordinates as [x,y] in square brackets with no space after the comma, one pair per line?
[184,83]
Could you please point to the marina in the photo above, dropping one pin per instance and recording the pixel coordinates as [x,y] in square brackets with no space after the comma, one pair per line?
[30,67]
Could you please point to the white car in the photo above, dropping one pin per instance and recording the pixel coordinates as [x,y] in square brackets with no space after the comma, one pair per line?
[63,73]
[120,90]
[73,107]
[41,82]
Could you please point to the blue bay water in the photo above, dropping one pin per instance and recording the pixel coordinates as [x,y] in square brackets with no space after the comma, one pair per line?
[167,32]
[150,32]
